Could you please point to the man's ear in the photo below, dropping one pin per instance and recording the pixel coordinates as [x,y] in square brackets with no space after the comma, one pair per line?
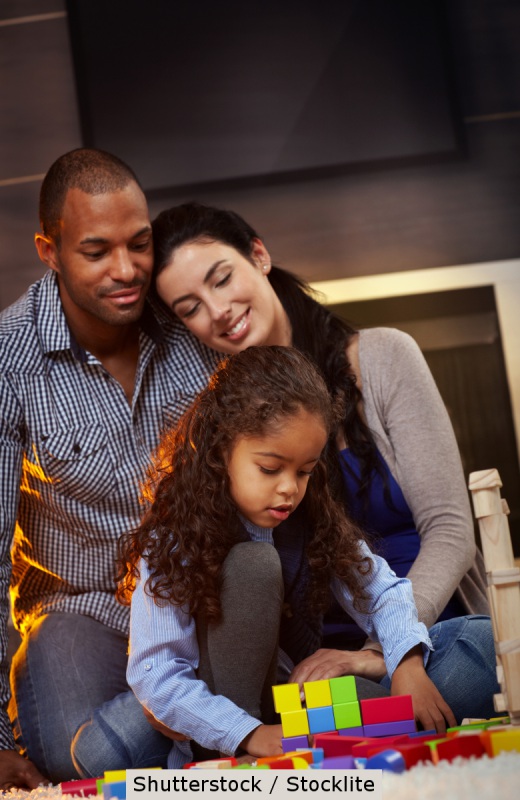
[47,251]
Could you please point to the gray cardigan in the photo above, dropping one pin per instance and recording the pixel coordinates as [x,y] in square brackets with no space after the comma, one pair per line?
[413,432]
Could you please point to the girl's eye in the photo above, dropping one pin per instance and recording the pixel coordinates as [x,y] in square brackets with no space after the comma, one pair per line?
[268,471]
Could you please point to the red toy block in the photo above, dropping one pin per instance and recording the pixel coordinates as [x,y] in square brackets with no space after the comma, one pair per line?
[386,709]
[84,788]
[362,748]
[464,746]
[334,745]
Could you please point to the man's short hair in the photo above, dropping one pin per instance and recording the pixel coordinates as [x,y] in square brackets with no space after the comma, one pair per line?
[91,171]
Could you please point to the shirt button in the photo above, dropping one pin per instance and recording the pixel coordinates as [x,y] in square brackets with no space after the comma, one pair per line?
[147,667]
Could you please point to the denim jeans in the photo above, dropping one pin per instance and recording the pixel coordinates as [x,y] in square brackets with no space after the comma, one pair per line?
[66,666]
[463,665]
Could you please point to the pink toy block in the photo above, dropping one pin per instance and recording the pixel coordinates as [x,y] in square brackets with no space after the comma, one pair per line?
[390,728]
[386,709]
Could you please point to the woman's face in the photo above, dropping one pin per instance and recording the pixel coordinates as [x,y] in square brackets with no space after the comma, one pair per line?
[224,299]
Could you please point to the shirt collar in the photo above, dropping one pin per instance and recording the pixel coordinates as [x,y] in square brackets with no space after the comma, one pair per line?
[55,333]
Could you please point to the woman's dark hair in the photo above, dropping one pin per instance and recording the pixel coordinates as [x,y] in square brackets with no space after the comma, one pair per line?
[316,331]
[192,522]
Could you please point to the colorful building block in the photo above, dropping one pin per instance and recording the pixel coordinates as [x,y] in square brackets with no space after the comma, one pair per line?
[338,762]
[117,790]
[317,694]
[356,731]
[390,728]
[83,788]
[465,746]
[386,709]
[295,723]
[287,697]
[389,760]
[321,720]
[294,742]
[343,689]
[334,745]
[347,715]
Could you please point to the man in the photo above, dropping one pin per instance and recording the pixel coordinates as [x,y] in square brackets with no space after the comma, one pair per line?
[90,375]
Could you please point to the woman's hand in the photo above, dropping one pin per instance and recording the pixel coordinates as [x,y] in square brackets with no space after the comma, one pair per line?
[429,707]
[266,740]
[324,664]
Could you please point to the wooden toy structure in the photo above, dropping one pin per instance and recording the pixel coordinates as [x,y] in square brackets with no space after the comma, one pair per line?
[503,579]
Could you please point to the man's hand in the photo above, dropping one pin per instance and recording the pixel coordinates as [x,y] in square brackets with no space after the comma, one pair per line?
[17,771]
[266,740]
[162,728]
[429,707]
[324,664]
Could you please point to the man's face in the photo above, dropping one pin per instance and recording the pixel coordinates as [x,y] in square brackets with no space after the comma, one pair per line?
[104,262]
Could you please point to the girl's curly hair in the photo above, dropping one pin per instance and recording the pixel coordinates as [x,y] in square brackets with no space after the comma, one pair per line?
[192,523]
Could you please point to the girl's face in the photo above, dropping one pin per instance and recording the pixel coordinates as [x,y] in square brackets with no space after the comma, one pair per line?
[269,474]
[224,299]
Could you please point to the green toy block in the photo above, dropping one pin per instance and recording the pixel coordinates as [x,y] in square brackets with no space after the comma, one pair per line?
[287,697]
[343,689]
[295,723]
[347,715]
[317,694]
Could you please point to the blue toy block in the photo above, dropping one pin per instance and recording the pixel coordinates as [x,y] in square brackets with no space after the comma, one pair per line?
[389,760]
[390,728]
[291,743]
[114,790]
[321,720]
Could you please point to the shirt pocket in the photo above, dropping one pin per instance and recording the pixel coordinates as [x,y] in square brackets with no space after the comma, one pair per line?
[78,462]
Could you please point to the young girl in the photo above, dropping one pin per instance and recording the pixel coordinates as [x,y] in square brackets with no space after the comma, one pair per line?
[215,607]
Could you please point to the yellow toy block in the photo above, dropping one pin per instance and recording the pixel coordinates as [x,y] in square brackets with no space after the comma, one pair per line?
[286,698]
[505,740]
[114,775]
[317,694]
[294,723]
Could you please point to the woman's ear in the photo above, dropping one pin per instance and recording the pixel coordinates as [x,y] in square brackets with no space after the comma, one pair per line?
[260,256]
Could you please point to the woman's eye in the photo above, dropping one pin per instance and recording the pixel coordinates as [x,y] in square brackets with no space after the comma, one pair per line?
[224,280]
[189,312]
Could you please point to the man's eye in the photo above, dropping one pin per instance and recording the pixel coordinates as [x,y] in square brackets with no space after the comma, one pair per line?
[140,247]
[95,256]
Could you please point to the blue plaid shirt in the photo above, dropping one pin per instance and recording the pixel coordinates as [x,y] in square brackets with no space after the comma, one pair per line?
[72,455]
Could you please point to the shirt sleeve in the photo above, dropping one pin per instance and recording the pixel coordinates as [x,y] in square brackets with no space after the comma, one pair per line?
[426,465]
[162,664]
[389,615]
[11,453]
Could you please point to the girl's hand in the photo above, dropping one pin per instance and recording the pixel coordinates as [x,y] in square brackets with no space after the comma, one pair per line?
[324,664]
[429,706]
[266,740]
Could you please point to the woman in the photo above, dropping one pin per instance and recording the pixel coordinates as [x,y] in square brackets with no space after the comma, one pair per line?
[395,460]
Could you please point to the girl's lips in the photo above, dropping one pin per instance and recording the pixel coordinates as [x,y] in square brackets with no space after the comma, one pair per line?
[280,513]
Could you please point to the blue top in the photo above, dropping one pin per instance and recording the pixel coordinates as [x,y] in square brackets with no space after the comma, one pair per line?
[390,526]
